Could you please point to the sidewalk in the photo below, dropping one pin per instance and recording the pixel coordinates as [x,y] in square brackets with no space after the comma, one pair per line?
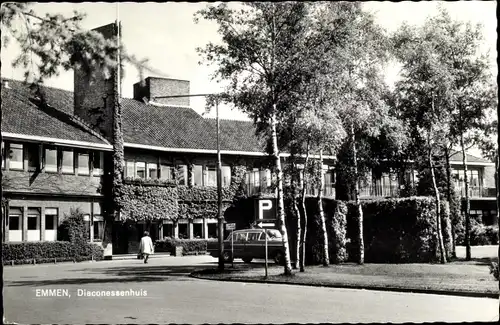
[455,278]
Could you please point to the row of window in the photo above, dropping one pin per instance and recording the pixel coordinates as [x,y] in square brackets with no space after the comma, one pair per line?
[149,170]
[15,223]
[52,159]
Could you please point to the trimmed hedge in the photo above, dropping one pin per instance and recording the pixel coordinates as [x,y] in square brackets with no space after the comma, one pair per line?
[190,246]
[399,230]
[335,217]
[47,252]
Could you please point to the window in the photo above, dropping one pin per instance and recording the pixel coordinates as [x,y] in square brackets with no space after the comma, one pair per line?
[474,178]
[197,230]
[182,174]
[168,230]
[68,164]
[86,219]
[152,171]
[253,236]
[241,236]
[15,217]
[226,176]
[211,176]
[266,178]
[83,164]
[166,172]
[51,160]
[183,230]
[51,219]
[33,218]
[16,156]
[129,169]
[140,169]
[198,175]
[212,230]
[98,228]
[97,163]
[33,157]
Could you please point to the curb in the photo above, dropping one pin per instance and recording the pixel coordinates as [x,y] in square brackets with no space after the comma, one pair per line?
[357,287]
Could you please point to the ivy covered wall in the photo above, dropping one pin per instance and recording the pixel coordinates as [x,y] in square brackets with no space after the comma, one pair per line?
[156,199]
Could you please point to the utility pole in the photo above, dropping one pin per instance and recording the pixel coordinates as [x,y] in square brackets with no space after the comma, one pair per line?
[220,217]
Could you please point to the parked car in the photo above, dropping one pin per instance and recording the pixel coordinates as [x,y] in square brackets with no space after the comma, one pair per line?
[249,244]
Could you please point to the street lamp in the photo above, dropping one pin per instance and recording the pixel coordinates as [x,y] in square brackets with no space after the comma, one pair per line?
[220,218]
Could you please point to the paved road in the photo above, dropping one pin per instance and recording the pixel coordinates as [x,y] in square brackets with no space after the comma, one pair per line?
[169,296]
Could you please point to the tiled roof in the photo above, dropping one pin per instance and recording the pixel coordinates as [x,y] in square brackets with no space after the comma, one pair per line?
[182,127]
[21,114]
[144,124]
[457,156]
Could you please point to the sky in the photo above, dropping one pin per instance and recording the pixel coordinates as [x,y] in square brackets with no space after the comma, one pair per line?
[167,35]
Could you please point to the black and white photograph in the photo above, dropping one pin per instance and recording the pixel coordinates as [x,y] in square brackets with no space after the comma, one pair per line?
[249,162]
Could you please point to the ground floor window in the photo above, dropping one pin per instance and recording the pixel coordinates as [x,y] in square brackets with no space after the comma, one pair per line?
[183,231]
[212,230]
[168,230]
[33,219]
[51,223]
[15,218]
[197,230]
[51,219]
[98,228]
[86,219]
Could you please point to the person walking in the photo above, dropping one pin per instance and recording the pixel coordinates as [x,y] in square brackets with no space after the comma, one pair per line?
[146,247]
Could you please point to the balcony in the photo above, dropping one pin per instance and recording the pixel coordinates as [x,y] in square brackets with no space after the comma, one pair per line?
[479,191]
[379,190]
[251,189]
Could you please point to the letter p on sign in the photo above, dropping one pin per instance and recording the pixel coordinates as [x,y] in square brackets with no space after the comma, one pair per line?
[264,205]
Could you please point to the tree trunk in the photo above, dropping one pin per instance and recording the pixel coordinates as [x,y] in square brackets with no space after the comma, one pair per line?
[361,244]
[326,258]
[438,211]
[280,208]
[448,196]
[467,201]
[303,182]
[297,214]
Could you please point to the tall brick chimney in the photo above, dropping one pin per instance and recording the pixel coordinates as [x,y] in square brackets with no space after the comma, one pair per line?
[93,99]
[155,86]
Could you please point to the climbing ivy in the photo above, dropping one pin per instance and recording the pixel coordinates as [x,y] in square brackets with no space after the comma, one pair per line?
[143,199]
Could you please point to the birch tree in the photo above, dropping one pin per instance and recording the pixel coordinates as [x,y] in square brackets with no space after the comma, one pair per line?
[462,75]
[260,55]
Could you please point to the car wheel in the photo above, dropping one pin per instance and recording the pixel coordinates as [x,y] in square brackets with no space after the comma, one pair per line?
[227,257]
[279,258]
[247,259]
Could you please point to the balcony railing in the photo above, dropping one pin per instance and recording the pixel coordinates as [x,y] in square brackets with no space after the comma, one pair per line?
[328,190]
[379,191]
[479,191]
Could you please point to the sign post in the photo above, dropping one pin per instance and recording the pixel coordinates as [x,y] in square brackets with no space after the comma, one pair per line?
[265,234]
[231,226]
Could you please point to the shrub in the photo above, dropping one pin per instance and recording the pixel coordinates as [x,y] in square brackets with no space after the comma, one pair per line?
[46,252]
[73,228]
[398,230]
[479,235]
[190,246]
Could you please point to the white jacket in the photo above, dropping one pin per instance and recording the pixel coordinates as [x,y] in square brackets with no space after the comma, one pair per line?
[146,246]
